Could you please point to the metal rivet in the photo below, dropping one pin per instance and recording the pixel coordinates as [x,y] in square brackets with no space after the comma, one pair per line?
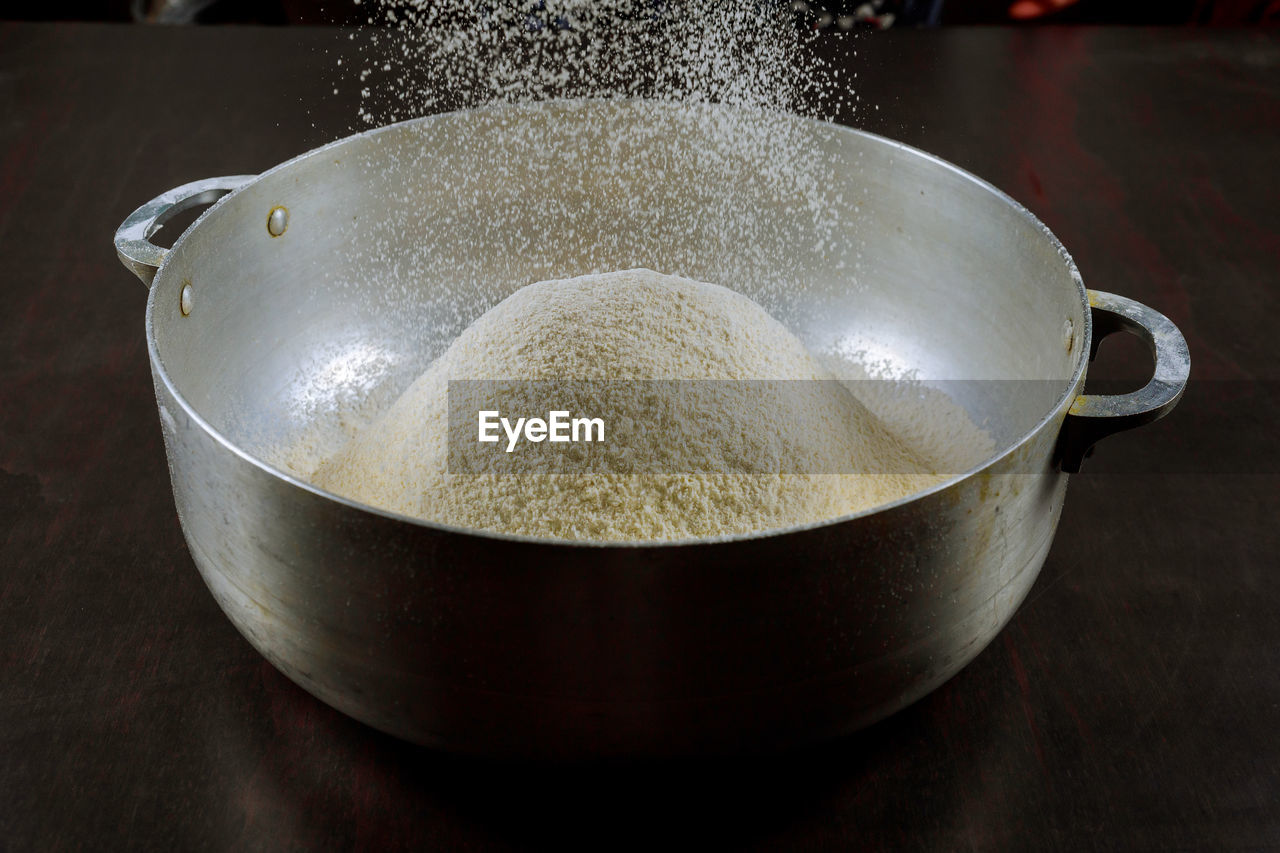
[184,298]
[278,221]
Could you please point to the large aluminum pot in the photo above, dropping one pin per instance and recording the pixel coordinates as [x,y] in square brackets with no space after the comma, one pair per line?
[347,269]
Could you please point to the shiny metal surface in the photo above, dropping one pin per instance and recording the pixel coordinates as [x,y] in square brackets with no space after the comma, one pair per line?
[133,246]
[277,221]
[503,645]
[1093,417]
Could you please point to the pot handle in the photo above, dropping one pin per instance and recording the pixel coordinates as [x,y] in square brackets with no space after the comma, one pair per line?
[1093,417]
[133,245]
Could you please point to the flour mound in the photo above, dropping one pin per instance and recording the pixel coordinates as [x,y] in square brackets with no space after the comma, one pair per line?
[728,452]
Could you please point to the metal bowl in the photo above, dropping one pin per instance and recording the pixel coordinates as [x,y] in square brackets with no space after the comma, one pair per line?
[348,268]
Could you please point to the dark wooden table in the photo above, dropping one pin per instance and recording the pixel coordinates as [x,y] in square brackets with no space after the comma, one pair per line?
[1134,702]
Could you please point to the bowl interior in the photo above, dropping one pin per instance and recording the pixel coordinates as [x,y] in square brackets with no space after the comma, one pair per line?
[398,238]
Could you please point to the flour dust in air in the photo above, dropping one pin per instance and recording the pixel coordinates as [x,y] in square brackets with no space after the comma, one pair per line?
[527,244]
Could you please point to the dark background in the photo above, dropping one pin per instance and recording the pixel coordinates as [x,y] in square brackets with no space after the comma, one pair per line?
[911,12]
[1132,703]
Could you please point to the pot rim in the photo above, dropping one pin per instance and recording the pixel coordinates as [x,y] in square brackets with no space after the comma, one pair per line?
[1064,401]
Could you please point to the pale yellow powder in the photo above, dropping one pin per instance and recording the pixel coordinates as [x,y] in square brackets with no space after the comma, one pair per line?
[727,449]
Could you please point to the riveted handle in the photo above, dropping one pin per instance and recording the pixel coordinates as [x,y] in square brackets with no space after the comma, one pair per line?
[1093,417]
[133,239]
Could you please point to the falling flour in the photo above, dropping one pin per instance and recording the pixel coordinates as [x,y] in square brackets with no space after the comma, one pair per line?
[756,193]
[729,452]
[426,56]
